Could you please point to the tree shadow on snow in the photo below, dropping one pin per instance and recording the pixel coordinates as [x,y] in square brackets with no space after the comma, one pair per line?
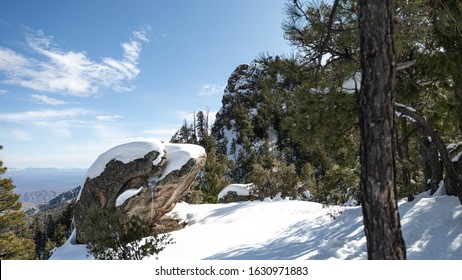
[340,238]
[221,213]
[433,229]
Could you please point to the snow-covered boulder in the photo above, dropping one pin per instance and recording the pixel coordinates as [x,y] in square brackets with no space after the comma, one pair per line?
[142,178]
[240,190]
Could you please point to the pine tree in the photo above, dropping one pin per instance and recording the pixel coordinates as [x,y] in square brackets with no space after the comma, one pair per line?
[428,41]
[446,18]
[214,179]
[381,217]
[15,242]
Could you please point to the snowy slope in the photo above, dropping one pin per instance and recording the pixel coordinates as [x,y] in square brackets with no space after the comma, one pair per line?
[432,229]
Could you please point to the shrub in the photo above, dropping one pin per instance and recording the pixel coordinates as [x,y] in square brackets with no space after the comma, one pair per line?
[111,235]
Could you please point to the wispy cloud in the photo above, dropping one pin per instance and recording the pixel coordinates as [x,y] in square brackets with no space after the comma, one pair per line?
[43,99]
[44,115]
[210,89]
[2,91]
[53,69]
[108,118]
[58,122]
[141,34]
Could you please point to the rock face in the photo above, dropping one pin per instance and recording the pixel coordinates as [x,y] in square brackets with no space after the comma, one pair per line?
[240,106]
[141,178]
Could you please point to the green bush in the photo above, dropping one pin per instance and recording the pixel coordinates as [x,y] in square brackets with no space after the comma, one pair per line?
[111,235]
[280,178]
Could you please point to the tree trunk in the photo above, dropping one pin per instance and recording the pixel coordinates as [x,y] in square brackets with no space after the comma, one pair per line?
[458,96]
[402,147]
[431,163]
[454,182]
[376,115]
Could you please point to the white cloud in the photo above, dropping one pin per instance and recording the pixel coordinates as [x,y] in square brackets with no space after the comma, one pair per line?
[43,99]
[57,123]
[141,35]
[55,70]
[38,117]
[108,117]
[2,91]
[211,89]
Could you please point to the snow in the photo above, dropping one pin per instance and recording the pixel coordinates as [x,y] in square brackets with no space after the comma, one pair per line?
[441,191]
[457,157]
[307,195]
[406,107]
[177,156]
[451,146]
[125,153]
[353,83]
[229,135]
[454,146]
[71,251]
[289,229]
[399,114]
[126,195]
[240,189]
[442,232]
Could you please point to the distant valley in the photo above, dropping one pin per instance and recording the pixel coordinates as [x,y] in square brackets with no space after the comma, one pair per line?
[40,185]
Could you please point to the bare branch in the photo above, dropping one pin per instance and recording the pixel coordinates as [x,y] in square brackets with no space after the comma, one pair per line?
[405,65]
[329,30]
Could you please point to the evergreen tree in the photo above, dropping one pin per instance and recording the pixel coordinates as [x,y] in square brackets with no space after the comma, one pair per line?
[280,178]
[215,175]
[327,38]
[446,18]
[114,236]
[15,242]
[201,125]
[185,134]
[51,230]
[308,179]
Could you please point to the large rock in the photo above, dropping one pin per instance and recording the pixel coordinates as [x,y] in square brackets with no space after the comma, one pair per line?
[141,178]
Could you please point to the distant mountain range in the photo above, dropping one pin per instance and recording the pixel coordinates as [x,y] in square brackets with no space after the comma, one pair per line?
[57,203]
[40,185]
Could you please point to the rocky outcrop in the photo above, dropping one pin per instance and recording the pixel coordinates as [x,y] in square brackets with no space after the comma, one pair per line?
[141,178]
[240,106]
[153,204]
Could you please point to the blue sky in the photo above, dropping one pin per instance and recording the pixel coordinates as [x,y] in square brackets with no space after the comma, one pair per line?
[79,77]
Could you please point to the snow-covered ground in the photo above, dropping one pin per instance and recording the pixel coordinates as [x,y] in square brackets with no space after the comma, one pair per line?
[277,230]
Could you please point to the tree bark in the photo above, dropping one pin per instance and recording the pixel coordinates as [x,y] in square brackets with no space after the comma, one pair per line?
[402,147]
[431,163]
[376,115]
[458,97]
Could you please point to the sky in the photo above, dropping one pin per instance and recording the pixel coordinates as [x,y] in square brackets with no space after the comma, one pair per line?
[79,77]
